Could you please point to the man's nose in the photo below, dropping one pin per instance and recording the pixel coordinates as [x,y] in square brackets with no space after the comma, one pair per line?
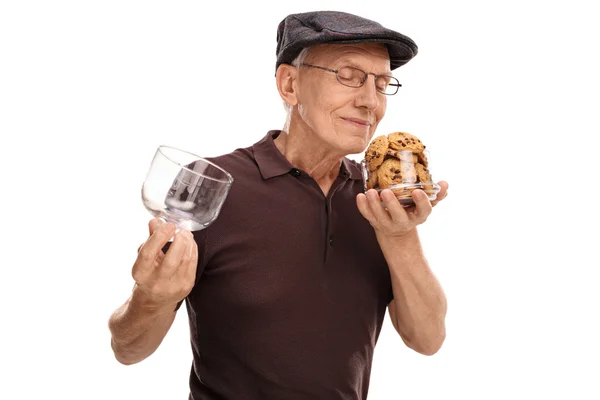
[369,95]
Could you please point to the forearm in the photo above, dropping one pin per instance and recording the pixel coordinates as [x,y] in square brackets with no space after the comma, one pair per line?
[419,305]
[138,328]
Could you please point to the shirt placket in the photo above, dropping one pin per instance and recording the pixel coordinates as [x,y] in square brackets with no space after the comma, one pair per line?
[329,218]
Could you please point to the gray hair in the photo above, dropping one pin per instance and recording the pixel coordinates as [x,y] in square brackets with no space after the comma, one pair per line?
[301,58]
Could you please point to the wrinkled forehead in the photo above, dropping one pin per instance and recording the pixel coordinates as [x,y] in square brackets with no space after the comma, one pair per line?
[374,54]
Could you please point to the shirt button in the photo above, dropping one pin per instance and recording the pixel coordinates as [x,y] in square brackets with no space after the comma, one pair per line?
[296,172]
[331,241]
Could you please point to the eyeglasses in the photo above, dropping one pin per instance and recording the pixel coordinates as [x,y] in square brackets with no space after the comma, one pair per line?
[355,78]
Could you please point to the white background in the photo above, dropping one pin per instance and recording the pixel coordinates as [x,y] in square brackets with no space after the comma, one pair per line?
[505,94]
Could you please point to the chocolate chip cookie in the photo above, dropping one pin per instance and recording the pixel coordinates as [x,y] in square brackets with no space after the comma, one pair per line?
[376,152]
[390,173]
[403,155]
[405,141]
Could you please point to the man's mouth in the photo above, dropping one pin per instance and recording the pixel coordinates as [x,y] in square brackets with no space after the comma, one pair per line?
[358,122]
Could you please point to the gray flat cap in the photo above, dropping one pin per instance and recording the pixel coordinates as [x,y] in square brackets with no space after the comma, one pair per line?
[297,31]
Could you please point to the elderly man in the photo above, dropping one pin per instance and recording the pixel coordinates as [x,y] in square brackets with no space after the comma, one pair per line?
[287,291]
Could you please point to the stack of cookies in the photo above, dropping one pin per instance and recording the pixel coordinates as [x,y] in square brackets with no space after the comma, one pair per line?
[398,158]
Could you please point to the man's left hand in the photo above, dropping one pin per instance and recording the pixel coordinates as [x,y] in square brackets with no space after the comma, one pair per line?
[391,218]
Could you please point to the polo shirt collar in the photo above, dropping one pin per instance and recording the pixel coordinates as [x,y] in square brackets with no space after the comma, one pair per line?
[352,169]
[272,163]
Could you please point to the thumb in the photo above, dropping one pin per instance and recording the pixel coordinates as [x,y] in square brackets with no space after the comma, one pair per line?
[154,224]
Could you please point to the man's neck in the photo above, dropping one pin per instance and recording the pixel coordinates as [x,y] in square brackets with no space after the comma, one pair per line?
[305,152]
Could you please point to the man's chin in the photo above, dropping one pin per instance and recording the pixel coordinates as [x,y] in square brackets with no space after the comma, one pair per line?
[353,142]
[356,148]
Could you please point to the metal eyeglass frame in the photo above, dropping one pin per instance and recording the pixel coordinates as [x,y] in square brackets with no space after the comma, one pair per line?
[393,81]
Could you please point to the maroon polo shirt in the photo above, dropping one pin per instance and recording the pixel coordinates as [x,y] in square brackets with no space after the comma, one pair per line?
[291,289]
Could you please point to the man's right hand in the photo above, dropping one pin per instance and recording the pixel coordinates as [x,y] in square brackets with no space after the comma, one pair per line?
[164,279]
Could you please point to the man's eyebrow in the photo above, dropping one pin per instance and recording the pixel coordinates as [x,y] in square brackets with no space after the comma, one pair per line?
[347,63]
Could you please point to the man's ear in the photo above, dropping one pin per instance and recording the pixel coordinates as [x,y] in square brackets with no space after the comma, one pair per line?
[286,83]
